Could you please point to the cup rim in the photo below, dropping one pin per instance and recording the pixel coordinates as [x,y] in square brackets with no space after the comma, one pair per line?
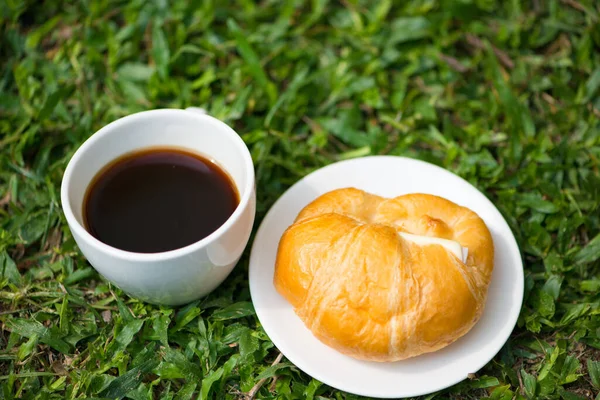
[80,230]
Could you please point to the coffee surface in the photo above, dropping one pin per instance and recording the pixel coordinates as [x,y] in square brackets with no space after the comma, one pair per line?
[157,200]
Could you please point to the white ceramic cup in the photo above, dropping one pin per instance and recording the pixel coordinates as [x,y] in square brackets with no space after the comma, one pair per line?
[179,276]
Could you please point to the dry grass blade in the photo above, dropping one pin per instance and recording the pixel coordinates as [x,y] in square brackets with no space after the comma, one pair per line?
[252,393]
[454,63]
[502,56]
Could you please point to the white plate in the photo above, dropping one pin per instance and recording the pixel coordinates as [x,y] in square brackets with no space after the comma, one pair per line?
[387,176]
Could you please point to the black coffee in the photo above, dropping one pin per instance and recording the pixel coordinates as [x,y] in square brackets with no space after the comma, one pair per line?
[158,200]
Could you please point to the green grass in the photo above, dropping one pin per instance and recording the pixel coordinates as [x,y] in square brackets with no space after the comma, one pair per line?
[504,93]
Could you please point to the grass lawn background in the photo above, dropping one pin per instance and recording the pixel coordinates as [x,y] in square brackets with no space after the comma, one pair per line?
[504,93]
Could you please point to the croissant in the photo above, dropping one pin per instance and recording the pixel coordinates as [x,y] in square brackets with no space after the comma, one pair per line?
[351,267]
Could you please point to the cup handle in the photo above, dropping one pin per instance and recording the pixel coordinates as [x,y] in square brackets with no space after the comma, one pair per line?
[197,110]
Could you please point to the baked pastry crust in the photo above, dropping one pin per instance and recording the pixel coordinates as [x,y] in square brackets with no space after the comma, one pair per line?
[364,290]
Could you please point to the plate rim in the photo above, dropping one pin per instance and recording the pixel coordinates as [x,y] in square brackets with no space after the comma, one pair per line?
[512,242]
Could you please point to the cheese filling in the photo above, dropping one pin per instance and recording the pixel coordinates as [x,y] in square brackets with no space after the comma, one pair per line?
[451,245]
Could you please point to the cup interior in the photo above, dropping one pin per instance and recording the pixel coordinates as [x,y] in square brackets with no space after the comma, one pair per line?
[201,134]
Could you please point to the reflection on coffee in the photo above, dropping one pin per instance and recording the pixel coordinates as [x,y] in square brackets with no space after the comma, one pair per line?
[157,200]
